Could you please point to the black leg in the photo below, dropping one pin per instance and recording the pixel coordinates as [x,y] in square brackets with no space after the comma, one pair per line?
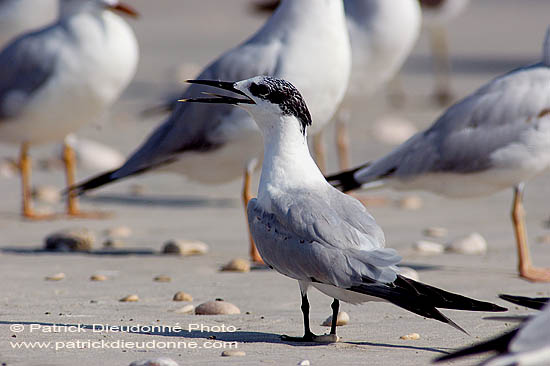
[335,309]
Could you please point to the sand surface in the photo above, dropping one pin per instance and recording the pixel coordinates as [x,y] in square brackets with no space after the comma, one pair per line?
[492,37]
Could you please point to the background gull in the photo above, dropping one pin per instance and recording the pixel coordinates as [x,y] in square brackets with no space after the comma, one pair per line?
[304,41]
[496,138]
[309,231]
[56,79]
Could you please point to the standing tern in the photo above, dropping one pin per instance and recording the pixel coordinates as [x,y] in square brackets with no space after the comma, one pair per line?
[437,14]
[56,79]
[18,16]
[528,345]
[305,41]
[496,138]
[307,230]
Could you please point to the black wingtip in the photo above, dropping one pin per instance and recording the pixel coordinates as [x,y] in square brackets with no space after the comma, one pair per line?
[536,303]
[345,181]
[498,344]
[92,183]
[265,6]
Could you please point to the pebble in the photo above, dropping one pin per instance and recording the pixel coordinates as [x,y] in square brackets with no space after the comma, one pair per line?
[410,337]
[544,239]
[130,298]
[98,277]
[185,247]
[93,155]
[411,203]
[161,361]
[56,277]
[120,232]
[182,296]
[425,247]
[218,307]
[230,353]
[304,363]
[436,232]
[162,278]
[393,130]
[341,319]
[409,273]
[113,243]
[237,265]
[46,194]
[70,240]
[187,309]
[473,244]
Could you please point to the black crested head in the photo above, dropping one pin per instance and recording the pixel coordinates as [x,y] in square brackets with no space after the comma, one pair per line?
[284,94]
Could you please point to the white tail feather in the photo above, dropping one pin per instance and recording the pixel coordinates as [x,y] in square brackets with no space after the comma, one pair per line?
[546,49]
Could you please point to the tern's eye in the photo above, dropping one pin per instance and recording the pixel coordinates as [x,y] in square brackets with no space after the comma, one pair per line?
[259,90]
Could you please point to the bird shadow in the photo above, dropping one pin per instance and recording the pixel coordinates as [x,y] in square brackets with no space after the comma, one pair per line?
[237,336]
[100,252]
[164,201]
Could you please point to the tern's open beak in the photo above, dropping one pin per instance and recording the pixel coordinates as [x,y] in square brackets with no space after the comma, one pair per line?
[229,86]
[123,8]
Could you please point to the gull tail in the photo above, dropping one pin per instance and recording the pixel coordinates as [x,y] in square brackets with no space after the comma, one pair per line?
[499,344]
[345,181]
[424,300]
[536,303]
[546,48]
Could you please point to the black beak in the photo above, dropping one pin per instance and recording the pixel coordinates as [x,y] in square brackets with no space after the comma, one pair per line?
[229,86]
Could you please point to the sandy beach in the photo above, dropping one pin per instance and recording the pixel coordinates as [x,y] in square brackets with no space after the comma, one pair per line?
[75,314]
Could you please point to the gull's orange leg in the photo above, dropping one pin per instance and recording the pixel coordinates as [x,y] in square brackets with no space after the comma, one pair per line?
[526,268]
[25,166]
[247,196]
[442,65]
[73,210]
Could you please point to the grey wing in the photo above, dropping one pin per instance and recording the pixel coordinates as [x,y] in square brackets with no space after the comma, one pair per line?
[201,127]
[26,64]
[306,239]
[465,137]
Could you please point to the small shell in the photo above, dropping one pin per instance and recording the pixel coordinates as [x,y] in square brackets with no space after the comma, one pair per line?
[185,247]
[130,298]
[162,278]
[393,130]
[237,265]
[232,352]
[118,232]
[182,296]
[473,244]
[56,277]
[98,277]
[161,361]
[436,232]
[187,309]
[410,337]
[304,363]
[216,308]
[425,247]
[46,194]
[8,169]
[411,203]
[342,319]
[70,240]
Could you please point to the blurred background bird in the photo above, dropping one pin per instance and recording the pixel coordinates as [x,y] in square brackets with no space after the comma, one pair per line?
[304,41]
[61,77]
